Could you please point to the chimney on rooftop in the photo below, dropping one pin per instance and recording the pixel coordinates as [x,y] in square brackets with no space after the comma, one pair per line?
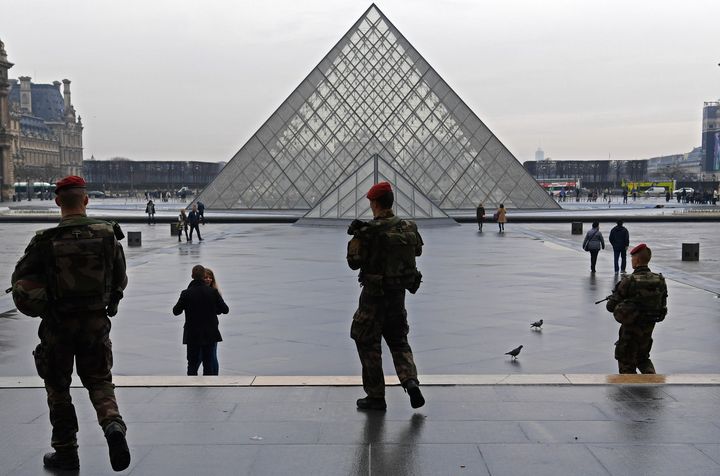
[66,94]
[25,93]
[69,109]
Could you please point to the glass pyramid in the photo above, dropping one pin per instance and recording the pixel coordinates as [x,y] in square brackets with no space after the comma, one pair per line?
[348,200]
[373,94]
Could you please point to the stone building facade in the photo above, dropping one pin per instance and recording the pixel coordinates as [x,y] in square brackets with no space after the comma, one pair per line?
[7,138]
[41,135]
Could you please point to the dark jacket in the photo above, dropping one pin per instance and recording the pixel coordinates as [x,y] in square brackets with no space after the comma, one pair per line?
[201,304]
[619,237]
[193,217]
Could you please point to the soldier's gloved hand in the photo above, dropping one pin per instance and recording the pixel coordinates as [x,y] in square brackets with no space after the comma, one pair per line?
[112,309]
[355,225]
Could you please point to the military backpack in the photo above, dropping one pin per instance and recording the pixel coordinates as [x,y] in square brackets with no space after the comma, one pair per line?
[646,302]
[80,271]
[386,252]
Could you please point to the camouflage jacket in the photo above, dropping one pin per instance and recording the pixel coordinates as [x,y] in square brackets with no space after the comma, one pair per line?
[640,298]
[94,281]
[384,249]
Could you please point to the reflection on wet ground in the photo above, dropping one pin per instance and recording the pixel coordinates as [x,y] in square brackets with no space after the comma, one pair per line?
[291,298]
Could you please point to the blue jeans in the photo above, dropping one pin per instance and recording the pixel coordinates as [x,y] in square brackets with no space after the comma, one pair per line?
[621,253]
[205,354]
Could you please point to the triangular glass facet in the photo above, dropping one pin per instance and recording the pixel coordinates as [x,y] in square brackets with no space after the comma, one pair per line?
[348,199]
[373,94]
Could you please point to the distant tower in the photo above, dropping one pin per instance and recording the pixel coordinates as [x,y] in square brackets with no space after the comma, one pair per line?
[711,137]
[6,167]
[539,155]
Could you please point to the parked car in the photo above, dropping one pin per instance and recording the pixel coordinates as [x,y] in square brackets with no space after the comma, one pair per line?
[184,191]
[655,192]
[96,194]
[687,190]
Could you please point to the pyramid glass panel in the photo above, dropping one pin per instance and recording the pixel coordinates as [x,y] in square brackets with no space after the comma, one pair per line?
[373,96]
[348,199]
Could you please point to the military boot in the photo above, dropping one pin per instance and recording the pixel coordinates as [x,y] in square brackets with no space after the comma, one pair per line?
[416,397]
[646,367]
[117,445]
[372,403]
[63,459]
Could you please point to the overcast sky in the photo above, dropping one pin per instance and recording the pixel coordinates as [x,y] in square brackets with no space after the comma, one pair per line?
[193,80]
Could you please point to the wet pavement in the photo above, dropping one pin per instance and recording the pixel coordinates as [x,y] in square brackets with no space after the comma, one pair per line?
[465,430]
[291,298]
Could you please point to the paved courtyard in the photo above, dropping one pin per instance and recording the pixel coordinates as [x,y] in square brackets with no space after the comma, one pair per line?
[553,411]
[292,296]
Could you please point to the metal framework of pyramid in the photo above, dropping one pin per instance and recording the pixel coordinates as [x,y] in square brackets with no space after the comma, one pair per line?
[348,200]
[373,96]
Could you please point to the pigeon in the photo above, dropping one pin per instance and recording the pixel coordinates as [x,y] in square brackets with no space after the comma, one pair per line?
[514,353]
[537,324]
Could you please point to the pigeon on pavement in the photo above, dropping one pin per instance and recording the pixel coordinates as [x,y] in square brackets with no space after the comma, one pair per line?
[514,353]
[537,324]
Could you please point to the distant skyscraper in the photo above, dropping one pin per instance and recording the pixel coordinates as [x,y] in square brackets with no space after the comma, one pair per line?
[539,155]
[711,136]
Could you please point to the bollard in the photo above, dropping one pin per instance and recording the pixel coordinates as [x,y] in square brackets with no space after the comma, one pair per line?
[134,238]
[173,229]
[577,228]
[691,251]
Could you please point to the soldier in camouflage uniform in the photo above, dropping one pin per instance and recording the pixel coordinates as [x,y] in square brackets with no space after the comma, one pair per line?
[384,250]
[637,303]
[73,277]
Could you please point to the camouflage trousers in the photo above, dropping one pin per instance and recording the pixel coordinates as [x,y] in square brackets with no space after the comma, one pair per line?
[84,340]
[632,350]
[380,317]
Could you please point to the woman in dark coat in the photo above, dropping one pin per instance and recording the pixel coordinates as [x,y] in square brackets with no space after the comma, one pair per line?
[480,212]
[201,304]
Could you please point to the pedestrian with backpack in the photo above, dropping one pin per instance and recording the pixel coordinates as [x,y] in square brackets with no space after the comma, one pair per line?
[638,302]
[384,250]
[73,277]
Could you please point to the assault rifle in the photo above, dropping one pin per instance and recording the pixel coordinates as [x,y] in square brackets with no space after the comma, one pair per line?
[603,300]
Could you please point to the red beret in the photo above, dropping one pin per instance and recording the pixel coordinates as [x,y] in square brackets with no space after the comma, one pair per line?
[71,181]
[378,190]
[638,248]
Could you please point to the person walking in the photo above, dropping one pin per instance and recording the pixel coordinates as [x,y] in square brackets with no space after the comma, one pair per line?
[150,210]
[201,304]
[384,251]
[73,277]
[194,221]
[201,211]
[501,217]
[592,243]
[182,225]
[620,240]
[480,212]
[638,302]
